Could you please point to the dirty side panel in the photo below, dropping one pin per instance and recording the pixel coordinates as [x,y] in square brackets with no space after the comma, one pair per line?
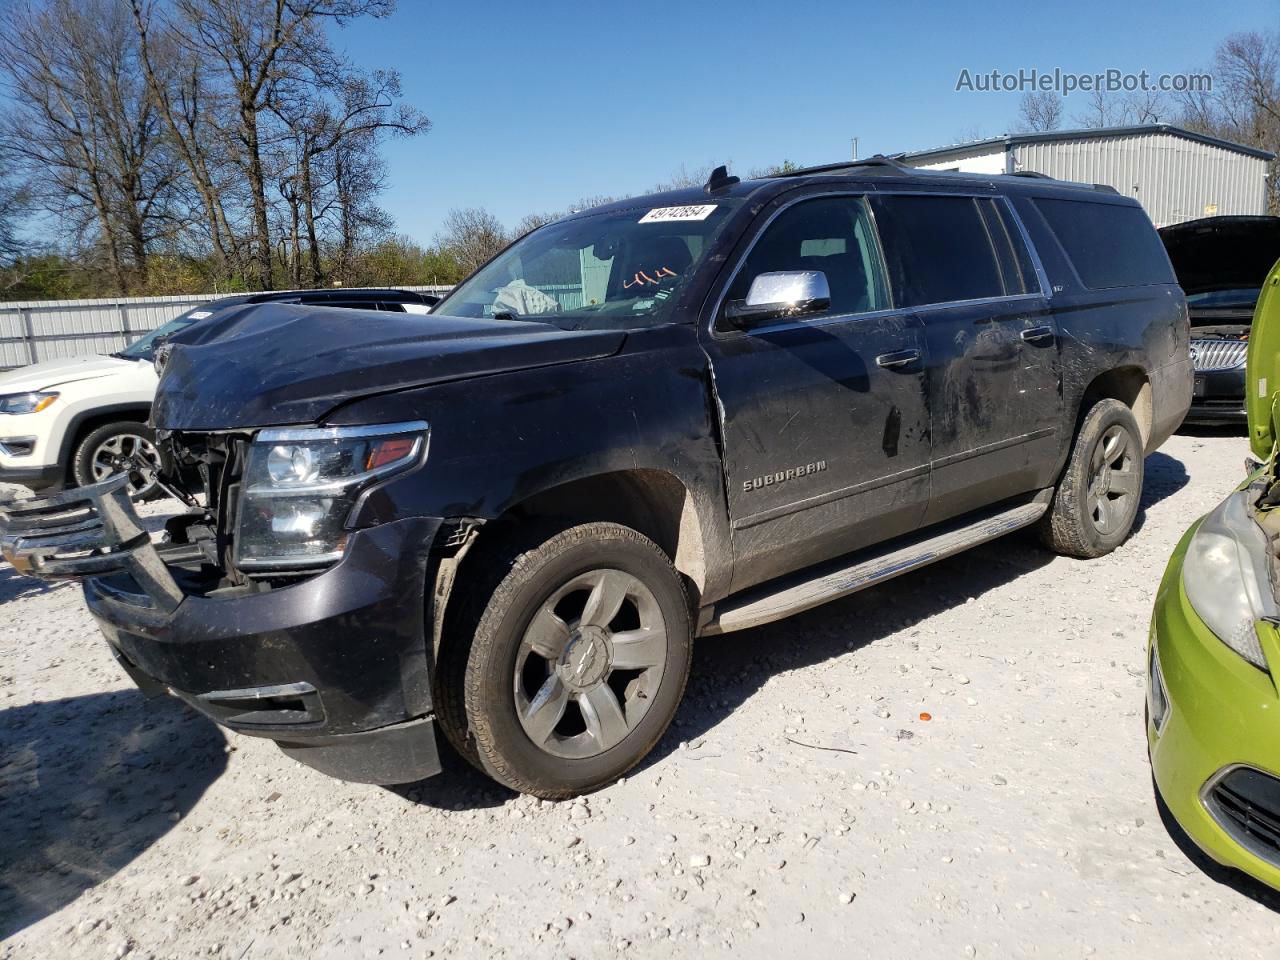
[825,451]
[496,441]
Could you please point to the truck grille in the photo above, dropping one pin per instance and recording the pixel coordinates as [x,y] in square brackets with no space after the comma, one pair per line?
[1246,804]
[1218,354]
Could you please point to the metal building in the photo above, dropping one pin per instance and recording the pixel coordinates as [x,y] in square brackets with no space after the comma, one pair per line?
[1175,174]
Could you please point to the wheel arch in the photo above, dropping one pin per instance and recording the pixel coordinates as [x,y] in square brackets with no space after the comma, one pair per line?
[1131,386]
[653,502]
[85,422]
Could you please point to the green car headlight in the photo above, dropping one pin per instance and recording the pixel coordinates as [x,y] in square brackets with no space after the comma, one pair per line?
[301,485]
[1225,574]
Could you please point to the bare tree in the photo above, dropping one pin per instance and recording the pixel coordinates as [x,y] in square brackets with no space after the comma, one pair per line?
[259,45]
[473,235]
[335,164]
[1244,104]
[13,200]
[1039,111]
[81,125]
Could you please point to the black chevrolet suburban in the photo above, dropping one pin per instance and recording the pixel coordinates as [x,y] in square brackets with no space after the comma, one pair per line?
[675,416]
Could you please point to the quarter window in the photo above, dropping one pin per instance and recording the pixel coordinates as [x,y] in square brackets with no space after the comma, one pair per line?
[828,234]
[1109,244]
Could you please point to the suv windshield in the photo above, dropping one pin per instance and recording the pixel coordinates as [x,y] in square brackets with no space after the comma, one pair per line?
[615,270]
[144,348]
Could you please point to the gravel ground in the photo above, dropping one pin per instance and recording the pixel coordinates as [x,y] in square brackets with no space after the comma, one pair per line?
[801,802]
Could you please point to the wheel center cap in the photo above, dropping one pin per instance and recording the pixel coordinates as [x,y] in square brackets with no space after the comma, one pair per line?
[586,659]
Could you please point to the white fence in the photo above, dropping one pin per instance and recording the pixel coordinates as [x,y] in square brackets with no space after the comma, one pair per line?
[36,330]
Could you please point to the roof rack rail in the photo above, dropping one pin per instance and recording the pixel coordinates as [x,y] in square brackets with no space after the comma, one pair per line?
[1031,173]
[889,165]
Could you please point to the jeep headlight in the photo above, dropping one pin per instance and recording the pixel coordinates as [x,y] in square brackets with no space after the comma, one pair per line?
[26,402]
[1225,574]
[301,484]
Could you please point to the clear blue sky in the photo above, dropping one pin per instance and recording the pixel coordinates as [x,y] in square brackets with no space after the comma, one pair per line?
[536,105]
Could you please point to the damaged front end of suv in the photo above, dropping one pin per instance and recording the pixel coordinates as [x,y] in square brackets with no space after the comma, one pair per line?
[281,604]
[1213,693]
[265,579]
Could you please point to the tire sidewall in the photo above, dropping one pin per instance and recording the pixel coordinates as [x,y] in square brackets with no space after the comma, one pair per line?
[491,676]
[1100,419]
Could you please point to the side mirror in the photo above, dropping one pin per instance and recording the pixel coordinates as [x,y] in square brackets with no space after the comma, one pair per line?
[787,293]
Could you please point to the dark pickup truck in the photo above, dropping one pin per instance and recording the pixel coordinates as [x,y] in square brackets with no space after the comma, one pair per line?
[675,416]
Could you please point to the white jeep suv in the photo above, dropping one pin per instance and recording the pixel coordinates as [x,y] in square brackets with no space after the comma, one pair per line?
[78,420]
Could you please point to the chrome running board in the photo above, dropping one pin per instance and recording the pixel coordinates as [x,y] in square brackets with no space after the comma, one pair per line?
[762,605]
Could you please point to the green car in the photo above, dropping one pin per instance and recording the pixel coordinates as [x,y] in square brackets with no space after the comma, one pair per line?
[1213,704]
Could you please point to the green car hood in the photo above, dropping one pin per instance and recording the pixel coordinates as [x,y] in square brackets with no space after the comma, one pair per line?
[1262,371]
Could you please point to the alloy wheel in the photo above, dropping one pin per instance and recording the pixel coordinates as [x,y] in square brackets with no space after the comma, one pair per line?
[590,663]
[1114,481]
[131,452]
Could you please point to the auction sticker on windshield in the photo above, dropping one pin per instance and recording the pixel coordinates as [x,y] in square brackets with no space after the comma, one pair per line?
[667,214]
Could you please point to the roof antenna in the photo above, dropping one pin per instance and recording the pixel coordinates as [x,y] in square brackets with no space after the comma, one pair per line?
[720,179]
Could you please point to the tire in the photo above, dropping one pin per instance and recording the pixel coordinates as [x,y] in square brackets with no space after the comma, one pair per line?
[538,696]
[1097,497]
[126,438]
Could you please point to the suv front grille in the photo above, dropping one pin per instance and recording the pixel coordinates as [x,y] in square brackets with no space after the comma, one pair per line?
[1246,804]
[1209,355]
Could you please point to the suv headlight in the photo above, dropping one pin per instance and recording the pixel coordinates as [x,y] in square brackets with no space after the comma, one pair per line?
[1225,574]
[301,484]
[26,402]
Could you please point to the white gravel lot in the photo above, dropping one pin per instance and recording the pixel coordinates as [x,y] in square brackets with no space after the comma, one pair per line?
[800,806]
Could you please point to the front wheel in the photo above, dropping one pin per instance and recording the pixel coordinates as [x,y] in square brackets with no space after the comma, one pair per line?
[577,664]
[1096,501]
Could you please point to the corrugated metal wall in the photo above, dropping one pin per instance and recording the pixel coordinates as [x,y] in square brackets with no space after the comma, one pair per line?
[1173,178]
[36,330]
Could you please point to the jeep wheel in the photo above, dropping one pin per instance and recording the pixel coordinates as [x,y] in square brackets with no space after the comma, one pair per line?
[577,664]
[1097,498]
[113,448]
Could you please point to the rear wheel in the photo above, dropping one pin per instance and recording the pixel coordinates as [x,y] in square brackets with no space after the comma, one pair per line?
[1096,500]
[116,448]
[578,662]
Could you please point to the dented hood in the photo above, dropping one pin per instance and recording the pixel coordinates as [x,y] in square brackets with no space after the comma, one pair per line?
[272,364]
[1222,253]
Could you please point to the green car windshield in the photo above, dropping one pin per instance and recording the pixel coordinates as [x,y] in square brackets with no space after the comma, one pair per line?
[616,270]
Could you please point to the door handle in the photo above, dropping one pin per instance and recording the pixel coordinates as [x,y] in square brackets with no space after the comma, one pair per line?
[1036,334]
[898,359]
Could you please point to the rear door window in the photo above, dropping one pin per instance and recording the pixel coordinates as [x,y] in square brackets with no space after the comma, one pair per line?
[1109,244]
[940,249]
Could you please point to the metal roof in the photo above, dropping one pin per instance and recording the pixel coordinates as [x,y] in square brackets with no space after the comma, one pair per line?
[1088,133]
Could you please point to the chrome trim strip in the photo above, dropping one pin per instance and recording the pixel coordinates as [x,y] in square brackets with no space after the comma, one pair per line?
[863,193]
[8,451]
[1224,823]
[1153,667]
[832,495]
[300,434]
[993,447]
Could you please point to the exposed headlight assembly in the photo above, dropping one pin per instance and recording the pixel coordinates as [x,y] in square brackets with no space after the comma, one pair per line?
[26,402]
[301,484]
[1225,574]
